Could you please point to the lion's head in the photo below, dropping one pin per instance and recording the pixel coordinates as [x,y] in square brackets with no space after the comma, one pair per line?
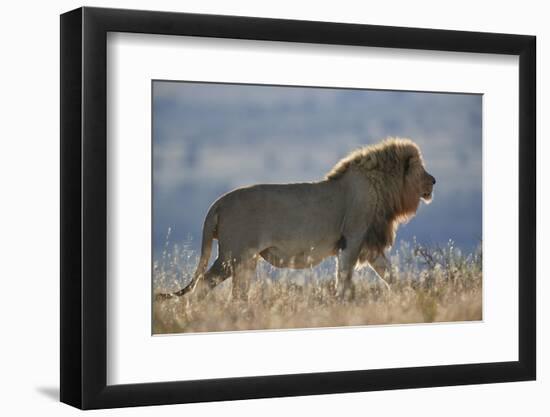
[417,182]
[395,171]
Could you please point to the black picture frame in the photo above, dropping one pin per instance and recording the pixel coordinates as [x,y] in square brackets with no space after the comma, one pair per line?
[84,207]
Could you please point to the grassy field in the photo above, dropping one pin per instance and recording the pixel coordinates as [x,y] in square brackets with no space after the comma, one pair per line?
[427,285]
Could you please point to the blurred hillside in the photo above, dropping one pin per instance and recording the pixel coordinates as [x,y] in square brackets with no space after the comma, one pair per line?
[211,138]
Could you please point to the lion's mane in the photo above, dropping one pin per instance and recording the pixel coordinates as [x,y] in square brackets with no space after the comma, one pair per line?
[393,169]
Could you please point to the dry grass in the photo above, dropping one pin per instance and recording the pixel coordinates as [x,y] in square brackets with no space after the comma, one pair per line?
[427,285]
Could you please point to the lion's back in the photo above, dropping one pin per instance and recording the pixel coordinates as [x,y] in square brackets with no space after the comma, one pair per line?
[276,212]
[267,199]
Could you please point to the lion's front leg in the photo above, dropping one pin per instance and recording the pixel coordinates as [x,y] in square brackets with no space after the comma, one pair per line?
[347,258]
[381,266]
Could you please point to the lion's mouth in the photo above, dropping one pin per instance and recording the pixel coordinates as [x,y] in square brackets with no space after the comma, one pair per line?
[427,197]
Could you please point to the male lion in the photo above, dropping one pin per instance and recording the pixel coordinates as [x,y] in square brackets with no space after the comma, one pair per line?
[352,214]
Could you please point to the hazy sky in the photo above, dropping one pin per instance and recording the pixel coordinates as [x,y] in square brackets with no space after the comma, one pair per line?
[211,138]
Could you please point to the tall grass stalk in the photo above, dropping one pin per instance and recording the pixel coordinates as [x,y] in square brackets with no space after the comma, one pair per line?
[437,284]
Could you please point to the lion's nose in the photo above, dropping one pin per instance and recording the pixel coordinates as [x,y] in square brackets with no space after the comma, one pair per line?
[433,181]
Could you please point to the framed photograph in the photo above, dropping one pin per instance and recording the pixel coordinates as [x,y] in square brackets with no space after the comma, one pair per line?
[258,207]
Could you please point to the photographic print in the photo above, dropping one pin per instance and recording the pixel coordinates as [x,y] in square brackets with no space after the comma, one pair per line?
[281,207]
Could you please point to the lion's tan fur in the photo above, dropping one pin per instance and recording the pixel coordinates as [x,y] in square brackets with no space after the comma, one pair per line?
[353,213]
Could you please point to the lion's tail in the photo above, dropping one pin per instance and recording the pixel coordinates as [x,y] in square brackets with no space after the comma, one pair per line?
[208,234]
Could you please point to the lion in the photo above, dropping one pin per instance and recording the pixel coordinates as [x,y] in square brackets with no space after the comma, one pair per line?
[352,214]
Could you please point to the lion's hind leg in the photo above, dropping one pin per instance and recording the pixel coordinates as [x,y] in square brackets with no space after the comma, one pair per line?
[218,272]
[243,274]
